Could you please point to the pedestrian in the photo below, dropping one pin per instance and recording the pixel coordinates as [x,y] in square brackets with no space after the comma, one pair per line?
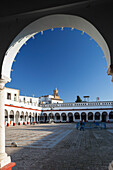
[81,125]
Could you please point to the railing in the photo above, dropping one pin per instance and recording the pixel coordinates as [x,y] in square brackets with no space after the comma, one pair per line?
[82,104]
[52,106]
[22,104]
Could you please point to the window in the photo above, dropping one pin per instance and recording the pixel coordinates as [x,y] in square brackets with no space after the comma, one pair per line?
[30,100]
[24,99]
[9,96]
[15,97]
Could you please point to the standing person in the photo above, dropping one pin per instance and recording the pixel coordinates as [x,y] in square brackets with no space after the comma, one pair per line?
[81,125]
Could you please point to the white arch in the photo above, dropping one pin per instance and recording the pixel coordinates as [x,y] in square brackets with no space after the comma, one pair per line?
[49,22]
[11,112]
[17,115]
[6,112]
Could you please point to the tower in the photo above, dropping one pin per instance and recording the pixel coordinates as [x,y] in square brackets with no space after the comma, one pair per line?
[56,96]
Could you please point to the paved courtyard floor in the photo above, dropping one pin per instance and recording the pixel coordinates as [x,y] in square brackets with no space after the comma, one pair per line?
[60,147]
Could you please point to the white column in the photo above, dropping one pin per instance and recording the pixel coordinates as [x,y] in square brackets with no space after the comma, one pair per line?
[100,116]
[87,117]
[74,118]
[8,118]
[60,118]
[4,159]
[14,117]
[80,117]
[67,118]
[107,117]
[93,116]
[19,118]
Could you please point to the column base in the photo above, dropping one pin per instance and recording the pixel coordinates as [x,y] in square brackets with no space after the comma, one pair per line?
[5,161]
[7,124]
[14,124]
[8,166]
[110,166]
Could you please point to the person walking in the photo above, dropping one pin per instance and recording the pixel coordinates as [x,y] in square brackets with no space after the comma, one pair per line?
[81,125]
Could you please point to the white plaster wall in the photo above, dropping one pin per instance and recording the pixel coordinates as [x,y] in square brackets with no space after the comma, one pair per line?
[12,91]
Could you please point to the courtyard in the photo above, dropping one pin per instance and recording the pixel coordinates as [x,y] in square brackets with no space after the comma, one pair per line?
[59,147]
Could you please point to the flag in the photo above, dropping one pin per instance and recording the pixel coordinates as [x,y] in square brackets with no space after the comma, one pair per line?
[97,98]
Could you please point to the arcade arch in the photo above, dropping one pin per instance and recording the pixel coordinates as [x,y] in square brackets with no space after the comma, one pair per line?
[50,22]
[57,116]
[51,116]
[97,116]
[83,116]
[111,115]
[90,116]
[77,116]
[17,117]
[70,117]
[33,117]
[30,116]
[11,116]
[26,117]
[45,117]
[104,116]
[22,116]
[6,115]
[64,117]
[36,117]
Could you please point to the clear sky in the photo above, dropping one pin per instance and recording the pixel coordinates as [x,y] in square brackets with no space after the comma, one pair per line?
[66,59]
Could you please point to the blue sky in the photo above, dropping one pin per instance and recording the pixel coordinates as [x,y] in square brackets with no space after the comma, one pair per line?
[64,59]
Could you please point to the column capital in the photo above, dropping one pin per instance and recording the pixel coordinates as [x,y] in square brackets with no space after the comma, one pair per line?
[110,71]
[2,83]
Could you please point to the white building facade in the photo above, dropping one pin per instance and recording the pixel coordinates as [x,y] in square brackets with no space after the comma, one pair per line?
[21,110]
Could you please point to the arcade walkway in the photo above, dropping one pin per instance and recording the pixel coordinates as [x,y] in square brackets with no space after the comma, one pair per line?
[60,147]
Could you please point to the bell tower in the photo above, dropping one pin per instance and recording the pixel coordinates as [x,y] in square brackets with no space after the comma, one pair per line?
[56,96]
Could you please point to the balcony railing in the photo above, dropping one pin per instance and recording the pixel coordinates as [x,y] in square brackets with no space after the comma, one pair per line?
[81,104]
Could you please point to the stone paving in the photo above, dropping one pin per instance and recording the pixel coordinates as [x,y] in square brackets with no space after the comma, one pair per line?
[60,147]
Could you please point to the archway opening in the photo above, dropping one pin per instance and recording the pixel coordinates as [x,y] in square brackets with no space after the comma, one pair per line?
[35,117]
[64,117]
[30,117]
[90,116]
[51,116]
[97,116]
[45,117]
[111,116]
[22,116]
[11,116]
[83,116]
[77,116]
[70,116]
[26,117]
[6,115]
[104,116]
[17,117]
[57,116]
[51,22]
